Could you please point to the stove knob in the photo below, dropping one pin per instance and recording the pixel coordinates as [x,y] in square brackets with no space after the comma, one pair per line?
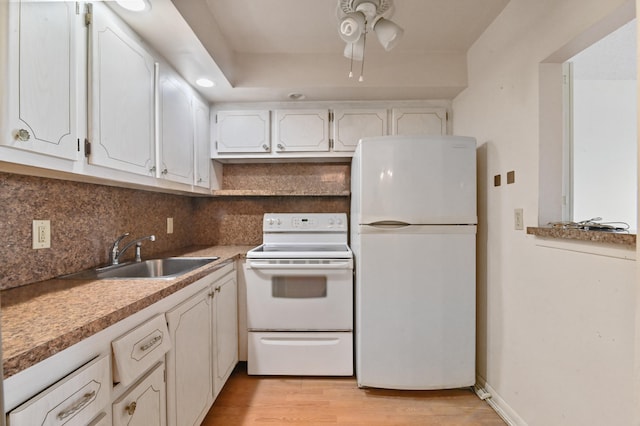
[269,221]
[278,222]
[330,221]
[339,222]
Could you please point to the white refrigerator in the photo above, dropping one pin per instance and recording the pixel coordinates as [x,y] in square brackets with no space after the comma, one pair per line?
[413,235]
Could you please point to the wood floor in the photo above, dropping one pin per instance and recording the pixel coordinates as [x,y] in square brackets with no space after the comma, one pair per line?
[296,401]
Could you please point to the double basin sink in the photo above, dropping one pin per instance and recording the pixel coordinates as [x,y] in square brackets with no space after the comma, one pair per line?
[165,268]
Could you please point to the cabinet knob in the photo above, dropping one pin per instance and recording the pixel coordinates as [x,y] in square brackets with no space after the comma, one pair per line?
[164,171]
[23,135]
[265,147]
[152,169]
[218,289]
[131,408]
[281,147]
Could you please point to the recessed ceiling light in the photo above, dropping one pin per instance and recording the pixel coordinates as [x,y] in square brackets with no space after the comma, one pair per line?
[296,96]
[205,82]
[135,5]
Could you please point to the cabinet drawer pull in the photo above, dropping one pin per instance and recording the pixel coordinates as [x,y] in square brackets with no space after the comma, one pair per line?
[150,343]
[79,405]
[23,135]
[131,408]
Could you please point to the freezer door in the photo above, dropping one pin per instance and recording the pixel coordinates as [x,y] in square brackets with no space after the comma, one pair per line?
[417,180]
[415,307]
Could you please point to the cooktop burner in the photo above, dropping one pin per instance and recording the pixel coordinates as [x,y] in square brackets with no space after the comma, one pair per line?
[303,235]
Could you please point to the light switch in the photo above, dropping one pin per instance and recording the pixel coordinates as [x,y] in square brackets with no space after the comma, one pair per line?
[518,219]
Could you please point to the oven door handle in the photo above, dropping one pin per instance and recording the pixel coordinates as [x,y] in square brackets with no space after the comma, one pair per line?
[269,265]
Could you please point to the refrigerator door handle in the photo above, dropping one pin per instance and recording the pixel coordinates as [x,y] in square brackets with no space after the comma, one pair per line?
[389,224]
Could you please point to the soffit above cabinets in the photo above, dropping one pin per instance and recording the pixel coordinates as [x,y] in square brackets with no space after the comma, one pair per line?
[264,50]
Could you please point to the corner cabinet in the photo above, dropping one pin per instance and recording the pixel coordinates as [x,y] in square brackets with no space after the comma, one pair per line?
[122,97]
[202,147]
[42,89]
[204,332]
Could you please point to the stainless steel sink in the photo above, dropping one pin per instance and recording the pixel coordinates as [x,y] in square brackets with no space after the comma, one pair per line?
[166,268]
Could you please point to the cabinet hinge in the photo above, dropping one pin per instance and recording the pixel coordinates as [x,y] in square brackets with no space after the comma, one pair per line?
[77,8]
[216,142]
[88,17]
[78,144]
[446,116]
[87,148]
[216,118]
[330,143]
[330,116]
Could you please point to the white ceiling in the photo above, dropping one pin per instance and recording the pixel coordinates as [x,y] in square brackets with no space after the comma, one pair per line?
[262,50]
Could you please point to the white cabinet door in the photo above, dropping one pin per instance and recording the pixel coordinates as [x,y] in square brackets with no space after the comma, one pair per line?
[226,329]
[122,95]
[243,132]
[189,364]
[42,78]
[301,130]
[176,130]
[419,121]
[202,143]
[350,125]
[144,403]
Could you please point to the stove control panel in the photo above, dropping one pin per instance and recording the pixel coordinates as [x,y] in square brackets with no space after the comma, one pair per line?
[305,222]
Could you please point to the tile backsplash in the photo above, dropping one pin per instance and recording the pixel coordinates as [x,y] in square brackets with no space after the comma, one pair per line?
[86,218]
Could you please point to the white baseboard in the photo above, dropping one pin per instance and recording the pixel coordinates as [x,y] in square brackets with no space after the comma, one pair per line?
[499,405]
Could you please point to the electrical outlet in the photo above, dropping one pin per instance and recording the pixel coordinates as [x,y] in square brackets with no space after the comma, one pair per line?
[518,219]
[169,225]
[41,234]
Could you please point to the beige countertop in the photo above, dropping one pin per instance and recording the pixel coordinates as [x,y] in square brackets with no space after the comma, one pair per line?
[41,319]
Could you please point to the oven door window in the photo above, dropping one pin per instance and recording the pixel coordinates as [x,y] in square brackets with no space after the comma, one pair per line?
[299,287]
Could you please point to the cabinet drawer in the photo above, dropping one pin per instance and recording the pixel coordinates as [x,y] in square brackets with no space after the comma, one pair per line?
[74,400]
[139,349]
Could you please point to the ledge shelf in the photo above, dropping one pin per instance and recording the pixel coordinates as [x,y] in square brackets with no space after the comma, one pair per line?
[618,238]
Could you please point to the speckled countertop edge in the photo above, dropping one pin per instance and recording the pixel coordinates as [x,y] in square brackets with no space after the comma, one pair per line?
[622,239]
[42,319]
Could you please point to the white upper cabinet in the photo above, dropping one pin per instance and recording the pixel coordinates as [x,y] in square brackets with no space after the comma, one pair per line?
[176,138]
[122,97]
[350,125]
[300,130]
[202,143]
[42,78]
[243,132]
[419,121]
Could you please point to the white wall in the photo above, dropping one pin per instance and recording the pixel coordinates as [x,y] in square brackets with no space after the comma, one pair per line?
[555,322]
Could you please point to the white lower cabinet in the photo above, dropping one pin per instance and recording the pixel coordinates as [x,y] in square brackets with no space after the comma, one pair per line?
[225,320]
[74,400]
[189,375]
[102,419]
[204,333]
[145,403]
[169,360]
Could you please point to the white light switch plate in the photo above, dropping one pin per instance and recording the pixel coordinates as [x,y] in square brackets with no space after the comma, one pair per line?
[518,219]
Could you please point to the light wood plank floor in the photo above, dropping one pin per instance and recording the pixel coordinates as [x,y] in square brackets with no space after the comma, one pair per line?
[295,401]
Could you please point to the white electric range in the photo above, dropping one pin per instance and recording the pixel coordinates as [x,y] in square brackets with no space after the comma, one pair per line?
[300,296]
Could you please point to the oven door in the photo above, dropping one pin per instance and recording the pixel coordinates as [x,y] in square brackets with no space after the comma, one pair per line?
[299,294]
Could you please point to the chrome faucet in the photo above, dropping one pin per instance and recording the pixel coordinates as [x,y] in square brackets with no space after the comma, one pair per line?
[116,252]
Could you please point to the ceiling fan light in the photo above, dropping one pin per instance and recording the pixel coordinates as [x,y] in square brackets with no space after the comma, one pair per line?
[351,27]
[388,32]
[135,5]
[355,50]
